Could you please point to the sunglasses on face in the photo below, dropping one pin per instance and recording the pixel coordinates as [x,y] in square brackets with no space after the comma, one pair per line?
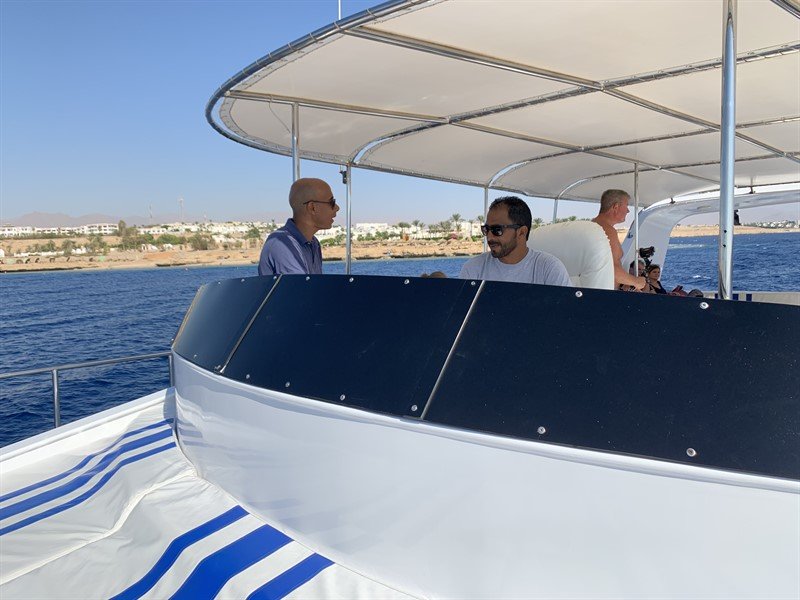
[497,230]
[331,202]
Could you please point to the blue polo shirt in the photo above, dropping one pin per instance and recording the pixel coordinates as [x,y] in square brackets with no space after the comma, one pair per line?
[287,251]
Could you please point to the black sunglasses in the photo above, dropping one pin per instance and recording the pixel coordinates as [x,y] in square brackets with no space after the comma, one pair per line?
[331,202]
[497,230]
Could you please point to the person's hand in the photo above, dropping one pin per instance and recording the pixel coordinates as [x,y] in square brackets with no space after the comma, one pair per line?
[640,284]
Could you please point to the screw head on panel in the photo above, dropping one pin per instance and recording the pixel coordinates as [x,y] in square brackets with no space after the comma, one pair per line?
[242,280]
[287,384]
[541,430]
[247,376]
[414,408]
[704,305]
[342,397]
[691,452]
[406,282]
[307,277]
[472,283]
[579,294]
[351,280]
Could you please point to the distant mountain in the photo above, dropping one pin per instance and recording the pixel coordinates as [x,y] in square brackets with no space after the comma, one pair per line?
[39,219]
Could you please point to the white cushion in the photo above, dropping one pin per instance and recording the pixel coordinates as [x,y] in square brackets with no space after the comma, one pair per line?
[583,248]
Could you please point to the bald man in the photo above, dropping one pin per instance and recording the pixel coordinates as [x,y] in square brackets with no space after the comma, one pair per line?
[293,248]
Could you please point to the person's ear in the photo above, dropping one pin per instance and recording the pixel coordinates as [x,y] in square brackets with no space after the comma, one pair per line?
[523,232]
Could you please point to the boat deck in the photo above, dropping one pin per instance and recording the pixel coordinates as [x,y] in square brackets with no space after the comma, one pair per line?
[110,507]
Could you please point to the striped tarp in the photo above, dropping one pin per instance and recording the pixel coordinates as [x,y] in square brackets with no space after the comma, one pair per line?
[125,516]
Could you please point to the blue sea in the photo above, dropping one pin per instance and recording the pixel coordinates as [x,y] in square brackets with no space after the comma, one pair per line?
[53,318]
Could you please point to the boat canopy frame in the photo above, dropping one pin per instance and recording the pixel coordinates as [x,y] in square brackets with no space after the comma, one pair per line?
[673,159]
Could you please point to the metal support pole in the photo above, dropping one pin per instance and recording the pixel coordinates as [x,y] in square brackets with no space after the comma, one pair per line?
[635,219]
[348,261]
[485,214]
[555,208]
[56,404]
[295,141]
[171,370]
[727,156]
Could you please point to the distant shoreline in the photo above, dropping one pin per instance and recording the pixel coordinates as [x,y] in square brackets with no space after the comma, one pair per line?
[373,250]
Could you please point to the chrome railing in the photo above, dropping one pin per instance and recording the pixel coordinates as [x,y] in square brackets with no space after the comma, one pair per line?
[81,365]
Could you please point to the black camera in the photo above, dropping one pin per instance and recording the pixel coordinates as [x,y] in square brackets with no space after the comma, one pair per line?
[647,254]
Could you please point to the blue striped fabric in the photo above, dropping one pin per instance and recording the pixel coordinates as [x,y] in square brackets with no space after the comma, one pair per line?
[66,488]
[293,578]
[83,462]
[86,495]
[173,551]
[215,570]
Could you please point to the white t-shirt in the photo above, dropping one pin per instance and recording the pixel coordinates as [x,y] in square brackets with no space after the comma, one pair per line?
[536,267]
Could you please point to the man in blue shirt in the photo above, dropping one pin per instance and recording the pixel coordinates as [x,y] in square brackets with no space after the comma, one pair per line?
[293,248]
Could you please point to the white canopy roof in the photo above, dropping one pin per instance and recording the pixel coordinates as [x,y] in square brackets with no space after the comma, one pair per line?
[543,98]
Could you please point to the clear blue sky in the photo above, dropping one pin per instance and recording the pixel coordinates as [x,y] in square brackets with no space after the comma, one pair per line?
[101,111]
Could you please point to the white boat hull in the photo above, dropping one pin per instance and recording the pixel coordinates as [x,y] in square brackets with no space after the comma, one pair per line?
[441,512]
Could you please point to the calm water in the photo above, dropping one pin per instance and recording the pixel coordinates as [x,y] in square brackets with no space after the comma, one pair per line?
[54,318]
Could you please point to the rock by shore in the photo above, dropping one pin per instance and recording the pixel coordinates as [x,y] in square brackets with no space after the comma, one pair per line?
[395,248]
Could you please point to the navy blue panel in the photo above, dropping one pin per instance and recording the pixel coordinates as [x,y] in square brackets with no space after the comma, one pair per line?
[640,374]
[372,342]
[217,318]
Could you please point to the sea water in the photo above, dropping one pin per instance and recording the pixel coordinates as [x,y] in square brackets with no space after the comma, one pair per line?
[53,318]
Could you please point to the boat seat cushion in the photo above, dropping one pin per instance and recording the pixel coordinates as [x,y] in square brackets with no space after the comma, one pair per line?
[583,248]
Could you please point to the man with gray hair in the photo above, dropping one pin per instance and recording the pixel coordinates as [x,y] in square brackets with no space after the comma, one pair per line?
[613,210]
[293,248]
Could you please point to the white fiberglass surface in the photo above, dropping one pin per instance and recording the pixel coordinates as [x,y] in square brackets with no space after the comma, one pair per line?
[453,151]
[367,73]
[438,512]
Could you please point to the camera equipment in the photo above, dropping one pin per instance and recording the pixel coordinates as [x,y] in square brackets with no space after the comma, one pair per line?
[647,254]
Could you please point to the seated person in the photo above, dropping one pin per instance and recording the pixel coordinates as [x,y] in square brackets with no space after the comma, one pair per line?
[508,224]
[629,288]
[653,276]
[435,275]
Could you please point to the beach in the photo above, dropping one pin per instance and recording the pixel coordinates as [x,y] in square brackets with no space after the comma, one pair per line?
[362,250]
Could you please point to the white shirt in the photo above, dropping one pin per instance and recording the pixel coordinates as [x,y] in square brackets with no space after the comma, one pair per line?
[536,267]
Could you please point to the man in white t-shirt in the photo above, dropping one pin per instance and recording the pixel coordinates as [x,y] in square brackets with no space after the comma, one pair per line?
[507,227]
